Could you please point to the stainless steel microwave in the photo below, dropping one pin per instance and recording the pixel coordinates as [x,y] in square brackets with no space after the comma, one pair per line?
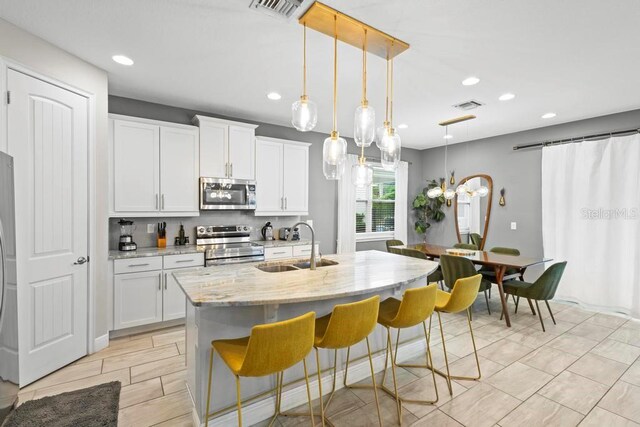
[227,194]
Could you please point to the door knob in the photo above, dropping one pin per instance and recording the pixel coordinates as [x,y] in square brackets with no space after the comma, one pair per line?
[81,261]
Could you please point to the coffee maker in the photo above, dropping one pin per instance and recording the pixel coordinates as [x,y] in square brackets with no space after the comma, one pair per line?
[126,242]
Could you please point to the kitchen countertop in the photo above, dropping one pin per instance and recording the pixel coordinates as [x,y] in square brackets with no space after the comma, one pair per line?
[282,243]
[191,249]
[145,252]
[357,273]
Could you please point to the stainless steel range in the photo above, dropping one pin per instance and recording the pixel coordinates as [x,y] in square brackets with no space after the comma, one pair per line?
[227,244]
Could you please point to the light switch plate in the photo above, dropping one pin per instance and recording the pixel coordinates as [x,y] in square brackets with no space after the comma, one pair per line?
[514,226]
[310,222]
[151,228]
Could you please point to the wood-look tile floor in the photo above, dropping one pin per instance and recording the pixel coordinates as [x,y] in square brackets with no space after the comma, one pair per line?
[583,371]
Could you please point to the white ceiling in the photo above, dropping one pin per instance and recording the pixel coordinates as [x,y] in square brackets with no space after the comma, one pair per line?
[577,58]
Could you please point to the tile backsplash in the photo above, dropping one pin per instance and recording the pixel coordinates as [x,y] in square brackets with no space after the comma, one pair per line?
[145,240]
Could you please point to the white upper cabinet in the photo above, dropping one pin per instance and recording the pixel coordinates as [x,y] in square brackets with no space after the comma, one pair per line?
[282,177]
[269,196]
[227,148]
[179,170]
[153,168]
[136,154]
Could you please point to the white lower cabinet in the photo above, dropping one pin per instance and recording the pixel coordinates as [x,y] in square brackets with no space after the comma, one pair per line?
[142,298]
[137,299]
[173,299]
[292,251]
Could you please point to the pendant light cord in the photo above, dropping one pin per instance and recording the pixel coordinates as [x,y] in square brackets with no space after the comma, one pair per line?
[335,73]
[386,107]
[304,61]
[391,98]
[364,68]
[446,149]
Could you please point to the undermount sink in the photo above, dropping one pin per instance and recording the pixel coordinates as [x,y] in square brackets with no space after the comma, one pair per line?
[321,263]
[289,266]
[276,268]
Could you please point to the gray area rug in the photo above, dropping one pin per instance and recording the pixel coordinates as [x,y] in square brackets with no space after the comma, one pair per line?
[88,407]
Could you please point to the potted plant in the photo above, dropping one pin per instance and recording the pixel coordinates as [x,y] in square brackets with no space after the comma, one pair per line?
[428,210]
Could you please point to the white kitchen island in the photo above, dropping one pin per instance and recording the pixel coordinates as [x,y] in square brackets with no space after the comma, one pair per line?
[227,301]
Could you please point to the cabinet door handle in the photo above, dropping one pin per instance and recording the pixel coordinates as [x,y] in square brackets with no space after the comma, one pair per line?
[280,253]
[160,282]
[285,203]
[230,170]
[165,281]
[138,265]
[226,170]
[156,201]
[184,260]
[163,201]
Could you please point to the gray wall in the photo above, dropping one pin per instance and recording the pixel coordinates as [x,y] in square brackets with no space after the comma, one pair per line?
[519,172]
[323,194]
[42,57]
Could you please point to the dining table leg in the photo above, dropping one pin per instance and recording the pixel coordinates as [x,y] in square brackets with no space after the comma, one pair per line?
[500,270]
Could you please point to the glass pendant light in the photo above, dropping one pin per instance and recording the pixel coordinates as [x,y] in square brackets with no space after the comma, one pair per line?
[391,142]
[334,150]
[362,173]
[365,116]
[304,112]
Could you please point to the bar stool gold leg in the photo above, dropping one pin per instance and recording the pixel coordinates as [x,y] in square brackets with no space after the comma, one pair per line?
[306,380]
[206,415]
[393,373]
[320,384]
[373,380]
[279,376]
[239,401]
[446,359]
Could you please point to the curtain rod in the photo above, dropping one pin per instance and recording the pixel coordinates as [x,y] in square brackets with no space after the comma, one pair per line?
[576,139]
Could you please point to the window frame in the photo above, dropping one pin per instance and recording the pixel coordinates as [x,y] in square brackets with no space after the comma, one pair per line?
[373,236]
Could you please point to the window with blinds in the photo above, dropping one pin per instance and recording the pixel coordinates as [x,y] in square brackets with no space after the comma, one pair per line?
[375,205]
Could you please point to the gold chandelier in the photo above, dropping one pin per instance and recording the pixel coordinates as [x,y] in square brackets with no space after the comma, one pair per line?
[339,26]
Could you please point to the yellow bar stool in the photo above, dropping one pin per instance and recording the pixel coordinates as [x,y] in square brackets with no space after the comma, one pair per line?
[347,325]
[270,349]
[416,307]
[460,299]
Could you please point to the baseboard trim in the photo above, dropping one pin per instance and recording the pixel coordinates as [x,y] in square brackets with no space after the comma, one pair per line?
[101,342]
[263,409]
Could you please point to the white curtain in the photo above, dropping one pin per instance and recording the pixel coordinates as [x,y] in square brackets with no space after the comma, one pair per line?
[402,184]
[347,209]
[591,218]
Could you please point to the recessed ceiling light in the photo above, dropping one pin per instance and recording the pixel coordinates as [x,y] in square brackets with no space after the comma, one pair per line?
[447,136]
[470,81]
[548,115]
[403,126]
[506,97]
[122,60]
[274,96]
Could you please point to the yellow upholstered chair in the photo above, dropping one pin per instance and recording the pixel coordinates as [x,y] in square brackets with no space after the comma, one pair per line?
[462,296]
[347,325]
[270,349]
[417,305]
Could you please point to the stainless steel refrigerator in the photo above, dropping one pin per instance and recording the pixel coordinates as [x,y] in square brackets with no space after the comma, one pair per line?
[8,291]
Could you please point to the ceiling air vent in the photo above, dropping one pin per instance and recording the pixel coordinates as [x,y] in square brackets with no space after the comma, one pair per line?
[468,105]
[277,8]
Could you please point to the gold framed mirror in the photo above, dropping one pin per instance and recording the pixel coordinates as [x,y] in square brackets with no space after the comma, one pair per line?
[472,212]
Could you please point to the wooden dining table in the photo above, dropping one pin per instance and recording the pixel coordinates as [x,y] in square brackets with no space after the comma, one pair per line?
[500,263]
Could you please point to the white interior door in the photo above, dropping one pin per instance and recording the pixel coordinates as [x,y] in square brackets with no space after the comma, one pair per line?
[179,170]
[48,138]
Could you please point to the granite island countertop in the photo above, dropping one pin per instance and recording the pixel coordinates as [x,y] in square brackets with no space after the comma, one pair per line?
[356,274]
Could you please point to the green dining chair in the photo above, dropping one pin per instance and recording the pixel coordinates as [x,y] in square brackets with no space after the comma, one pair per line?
[490,274]
[436,276]
[476,239]
[469,246]
[543,289]
[457,267]
[391,243]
